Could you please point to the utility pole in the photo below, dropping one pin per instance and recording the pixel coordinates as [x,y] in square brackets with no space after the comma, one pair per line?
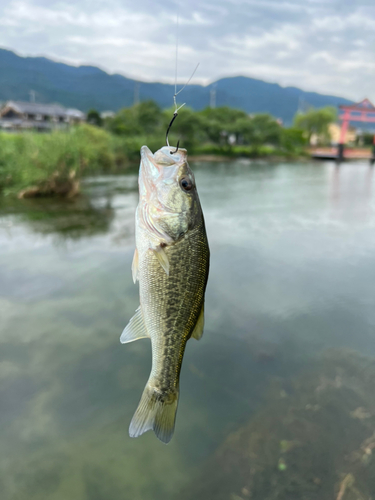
[32,95]
[213,97]
[299,109]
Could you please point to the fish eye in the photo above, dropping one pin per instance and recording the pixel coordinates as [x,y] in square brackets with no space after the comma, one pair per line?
[186,184]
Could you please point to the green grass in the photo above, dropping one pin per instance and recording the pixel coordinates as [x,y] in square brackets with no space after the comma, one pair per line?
[31,159]
[44,160]
[246,151]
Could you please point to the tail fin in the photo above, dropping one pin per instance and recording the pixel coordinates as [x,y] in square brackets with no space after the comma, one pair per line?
[155,413]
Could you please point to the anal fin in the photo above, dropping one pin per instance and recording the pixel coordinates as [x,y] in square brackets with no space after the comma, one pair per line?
[198,330]
[135,329]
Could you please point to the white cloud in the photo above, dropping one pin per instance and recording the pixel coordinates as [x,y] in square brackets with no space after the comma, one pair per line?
[317,45]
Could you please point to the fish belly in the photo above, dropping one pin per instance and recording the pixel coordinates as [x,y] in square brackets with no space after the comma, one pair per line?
[171,305]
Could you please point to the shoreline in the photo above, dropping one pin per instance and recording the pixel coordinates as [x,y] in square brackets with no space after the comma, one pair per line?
[218,158]
[69,186]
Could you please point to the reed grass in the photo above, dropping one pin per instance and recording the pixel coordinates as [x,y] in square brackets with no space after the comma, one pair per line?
[45,163]
[32,159]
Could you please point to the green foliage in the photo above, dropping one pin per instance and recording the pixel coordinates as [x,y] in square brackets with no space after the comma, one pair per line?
[217,123]
[31,159]
[316,121]
[223,127]
[124,123]
[262,129]
[127,149]
[293,139]
[143,118]
[366,139]
[187,128]
[94,118]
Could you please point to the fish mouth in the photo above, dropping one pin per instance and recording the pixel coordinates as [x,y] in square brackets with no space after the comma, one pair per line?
[153,165]
[149,167]
[148,173]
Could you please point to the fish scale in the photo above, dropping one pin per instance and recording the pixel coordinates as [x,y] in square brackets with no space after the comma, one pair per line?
[172,304]
[171,262]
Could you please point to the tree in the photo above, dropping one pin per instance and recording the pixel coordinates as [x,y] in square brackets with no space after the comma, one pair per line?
[292,139]
[365,139]
[148,115]
[144,118]
[217,123]
[187,127]
[124,123]
[256,130]
[316,121]
[94,118]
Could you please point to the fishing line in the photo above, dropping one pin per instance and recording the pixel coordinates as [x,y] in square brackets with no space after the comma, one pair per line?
[177,109]
[175,69]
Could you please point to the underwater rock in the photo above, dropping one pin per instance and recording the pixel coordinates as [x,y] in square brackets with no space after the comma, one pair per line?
[317,442]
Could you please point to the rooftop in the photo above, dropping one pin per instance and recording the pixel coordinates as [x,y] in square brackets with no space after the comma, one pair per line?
[36,108]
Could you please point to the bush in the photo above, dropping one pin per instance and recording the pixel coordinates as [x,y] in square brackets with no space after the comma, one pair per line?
[30,158]
[34,159]
[293,139]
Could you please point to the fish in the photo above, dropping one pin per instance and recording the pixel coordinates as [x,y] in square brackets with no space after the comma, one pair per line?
[171,263]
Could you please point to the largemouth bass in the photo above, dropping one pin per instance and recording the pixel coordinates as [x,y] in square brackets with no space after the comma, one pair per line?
[171,262]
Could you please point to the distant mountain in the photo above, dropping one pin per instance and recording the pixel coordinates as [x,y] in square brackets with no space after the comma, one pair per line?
[86,87]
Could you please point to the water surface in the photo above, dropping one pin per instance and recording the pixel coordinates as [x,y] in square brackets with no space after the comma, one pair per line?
[292,275]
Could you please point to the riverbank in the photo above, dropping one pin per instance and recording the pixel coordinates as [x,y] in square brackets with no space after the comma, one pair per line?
[34,164]
[350,153]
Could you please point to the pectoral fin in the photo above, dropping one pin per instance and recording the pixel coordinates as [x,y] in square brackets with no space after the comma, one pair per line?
[135,329]
[162,258]
[198,330]
[135,266]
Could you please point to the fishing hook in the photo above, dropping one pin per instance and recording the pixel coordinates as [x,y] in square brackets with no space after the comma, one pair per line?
[166,135]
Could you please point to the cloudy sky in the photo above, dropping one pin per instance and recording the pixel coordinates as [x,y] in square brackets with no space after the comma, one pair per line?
[322,45]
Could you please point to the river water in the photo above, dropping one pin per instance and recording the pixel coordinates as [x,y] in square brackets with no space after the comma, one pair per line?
[292,275]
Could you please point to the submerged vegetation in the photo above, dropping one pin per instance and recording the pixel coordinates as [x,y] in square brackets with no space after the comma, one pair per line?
[34,164]
[260,418]
[314,439]
[65,221]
